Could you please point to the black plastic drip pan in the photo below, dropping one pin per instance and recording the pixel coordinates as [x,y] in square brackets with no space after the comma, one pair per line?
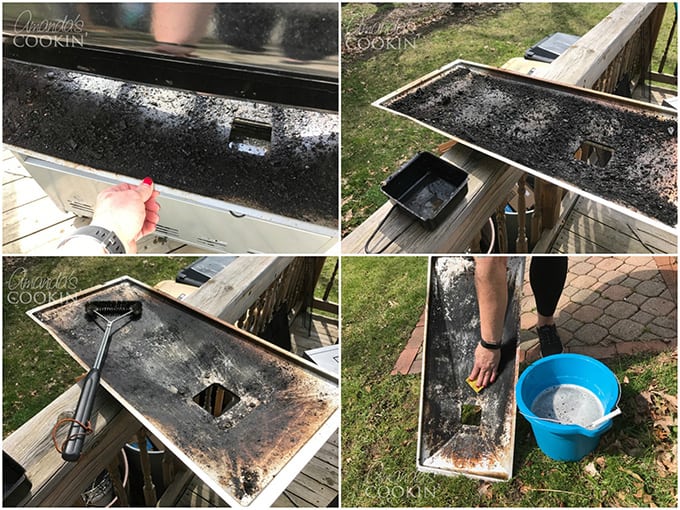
[15,485]
[426,187]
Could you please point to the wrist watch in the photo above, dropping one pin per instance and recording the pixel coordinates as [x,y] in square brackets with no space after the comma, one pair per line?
[487,345]
[107,238]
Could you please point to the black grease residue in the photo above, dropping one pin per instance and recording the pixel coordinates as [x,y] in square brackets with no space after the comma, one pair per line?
[249,481]
[542,129]
[130,132]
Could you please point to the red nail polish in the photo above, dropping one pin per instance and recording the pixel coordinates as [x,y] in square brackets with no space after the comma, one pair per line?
[148,181]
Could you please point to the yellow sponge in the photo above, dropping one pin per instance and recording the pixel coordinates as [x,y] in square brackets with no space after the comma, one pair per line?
[473,385]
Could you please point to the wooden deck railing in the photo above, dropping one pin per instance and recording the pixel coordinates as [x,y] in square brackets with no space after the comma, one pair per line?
[293,288]
[249,290]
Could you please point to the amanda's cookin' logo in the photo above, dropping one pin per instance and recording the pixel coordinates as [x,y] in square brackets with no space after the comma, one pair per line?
[30,32]
[362,35]
[23,289]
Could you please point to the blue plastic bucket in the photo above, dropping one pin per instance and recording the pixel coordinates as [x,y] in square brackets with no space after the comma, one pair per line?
[560,441]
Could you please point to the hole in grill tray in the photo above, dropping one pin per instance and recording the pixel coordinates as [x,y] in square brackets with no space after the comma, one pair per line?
[594,154]
[250,136]
[471,415]
[216,399]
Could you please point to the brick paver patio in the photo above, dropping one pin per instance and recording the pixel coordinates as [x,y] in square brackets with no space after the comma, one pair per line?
[610,306]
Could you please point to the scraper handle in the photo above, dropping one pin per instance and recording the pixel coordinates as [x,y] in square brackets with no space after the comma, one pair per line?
[77,432]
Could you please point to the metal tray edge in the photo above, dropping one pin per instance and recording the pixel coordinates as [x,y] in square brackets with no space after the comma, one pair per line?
[513,426]
[421,403]
[437,471]
[531,79]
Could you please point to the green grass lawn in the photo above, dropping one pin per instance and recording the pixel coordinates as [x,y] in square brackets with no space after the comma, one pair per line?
[383,298]
[36,369]
[375,143]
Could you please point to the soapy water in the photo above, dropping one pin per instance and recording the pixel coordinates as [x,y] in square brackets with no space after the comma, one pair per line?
[568,404]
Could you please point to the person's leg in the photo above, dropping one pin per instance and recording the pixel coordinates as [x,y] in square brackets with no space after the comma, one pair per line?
[547,276]
[492,296]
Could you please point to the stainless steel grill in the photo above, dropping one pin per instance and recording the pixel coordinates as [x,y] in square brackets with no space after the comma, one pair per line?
[243,146]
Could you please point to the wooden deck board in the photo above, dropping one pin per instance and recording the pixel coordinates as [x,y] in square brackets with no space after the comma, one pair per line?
[316,485]
[32,226]
[324,332]
[199,495]
[592,228]
[328,452]
[20,192]
[12,169]
[309,490]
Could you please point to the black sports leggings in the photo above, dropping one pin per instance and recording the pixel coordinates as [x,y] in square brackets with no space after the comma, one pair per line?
[547,276]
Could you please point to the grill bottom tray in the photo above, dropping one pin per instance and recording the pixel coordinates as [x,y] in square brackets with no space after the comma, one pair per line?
[427,187]
[550,130]
[183,140]
[448,443]
[159,365]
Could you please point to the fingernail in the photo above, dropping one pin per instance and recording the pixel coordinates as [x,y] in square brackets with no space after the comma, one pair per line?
[148,181]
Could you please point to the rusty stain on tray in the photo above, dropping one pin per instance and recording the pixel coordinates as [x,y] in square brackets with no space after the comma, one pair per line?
[158,363]
[447,444]
[541,126]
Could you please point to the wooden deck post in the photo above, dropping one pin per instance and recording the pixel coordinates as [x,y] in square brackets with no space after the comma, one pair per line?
[149,487]
[118,487]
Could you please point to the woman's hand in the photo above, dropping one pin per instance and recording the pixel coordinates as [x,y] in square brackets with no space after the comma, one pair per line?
[485,369]
[128,210]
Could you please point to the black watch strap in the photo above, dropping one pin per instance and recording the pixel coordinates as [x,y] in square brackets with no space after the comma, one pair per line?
[487,345]
[107,237]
